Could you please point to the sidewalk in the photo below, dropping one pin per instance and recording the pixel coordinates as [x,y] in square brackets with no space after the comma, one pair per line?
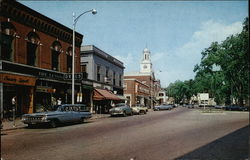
[9,125]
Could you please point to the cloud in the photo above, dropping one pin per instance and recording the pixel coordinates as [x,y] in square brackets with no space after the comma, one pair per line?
[130,62]
[210,31]
[178,64]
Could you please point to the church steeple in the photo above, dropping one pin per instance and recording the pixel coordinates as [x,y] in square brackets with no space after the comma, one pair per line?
[146,65]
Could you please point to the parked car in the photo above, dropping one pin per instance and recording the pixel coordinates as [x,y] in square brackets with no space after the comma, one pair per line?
[235,108]
[219,107]
[139,109]
[163,107]
[64,113]
[190,106]
[121,109]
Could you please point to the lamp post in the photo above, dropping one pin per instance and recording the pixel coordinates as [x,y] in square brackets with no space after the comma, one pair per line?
[93,11]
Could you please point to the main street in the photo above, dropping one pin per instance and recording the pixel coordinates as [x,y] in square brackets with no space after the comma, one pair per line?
[161,135]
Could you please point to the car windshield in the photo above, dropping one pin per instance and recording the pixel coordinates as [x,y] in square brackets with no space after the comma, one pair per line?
[119,105]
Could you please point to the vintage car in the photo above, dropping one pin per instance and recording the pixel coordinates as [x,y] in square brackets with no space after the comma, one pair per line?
[139,109]
[163,107]
[121,109]
[64,113]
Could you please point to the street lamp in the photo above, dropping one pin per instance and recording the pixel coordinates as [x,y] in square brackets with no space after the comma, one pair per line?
[93,11]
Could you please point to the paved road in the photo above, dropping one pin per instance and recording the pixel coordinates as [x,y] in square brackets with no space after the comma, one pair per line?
[177,134]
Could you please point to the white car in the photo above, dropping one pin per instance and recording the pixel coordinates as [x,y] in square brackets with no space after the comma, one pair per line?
[139,109]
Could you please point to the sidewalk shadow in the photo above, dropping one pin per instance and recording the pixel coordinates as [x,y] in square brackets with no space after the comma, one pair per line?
[234,146]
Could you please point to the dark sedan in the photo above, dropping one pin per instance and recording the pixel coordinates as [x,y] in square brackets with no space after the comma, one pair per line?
[235,108]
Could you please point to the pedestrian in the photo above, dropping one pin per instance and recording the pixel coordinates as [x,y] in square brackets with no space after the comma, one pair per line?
[59,101]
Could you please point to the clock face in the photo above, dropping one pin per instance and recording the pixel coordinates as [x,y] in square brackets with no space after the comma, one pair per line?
[145,66]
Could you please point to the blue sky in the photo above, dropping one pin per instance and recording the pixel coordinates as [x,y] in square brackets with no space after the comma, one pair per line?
[174,31]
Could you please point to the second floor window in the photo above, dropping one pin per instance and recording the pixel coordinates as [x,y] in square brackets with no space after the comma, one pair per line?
[98,73]
[7,41]
[69,59]
[120,80]
[32,48]
[84,68]
[56,50]
[114,83]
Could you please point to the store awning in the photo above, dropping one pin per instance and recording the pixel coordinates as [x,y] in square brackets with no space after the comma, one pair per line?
[102,94]
[121,97]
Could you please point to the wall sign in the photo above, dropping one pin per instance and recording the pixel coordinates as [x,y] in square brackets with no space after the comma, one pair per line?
[17,79]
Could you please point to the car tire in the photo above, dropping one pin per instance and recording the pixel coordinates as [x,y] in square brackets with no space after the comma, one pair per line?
[124,114]
[31,125]
[141,112]
[53,123]
[82,120]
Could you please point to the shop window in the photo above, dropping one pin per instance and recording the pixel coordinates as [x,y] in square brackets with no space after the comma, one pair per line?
[56,50]
[32,48]
[8,31]
[69,59]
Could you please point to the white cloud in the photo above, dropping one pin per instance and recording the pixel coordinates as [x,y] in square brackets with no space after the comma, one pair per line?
[130,62]
[178,64]
[210,31]
[189,54]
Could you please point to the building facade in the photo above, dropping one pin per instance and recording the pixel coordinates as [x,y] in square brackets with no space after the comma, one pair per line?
[146,77]
[36,57]
[105,73]
[136,92]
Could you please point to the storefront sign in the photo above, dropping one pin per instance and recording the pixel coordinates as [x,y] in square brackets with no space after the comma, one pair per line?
[17,79]
[77,76]
[45,89]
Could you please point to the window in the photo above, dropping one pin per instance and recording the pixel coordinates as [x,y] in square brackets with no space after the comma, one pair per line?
[84,68]
[32,43]
[161,94]
[69,59]
[125,86]
[114,79]
[120,80]
[98,73]
[107,72]
[56,50]
[6,41]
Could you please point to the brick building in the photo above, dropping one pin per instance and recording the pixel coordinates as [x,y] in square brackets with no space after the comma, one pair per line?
[145,79]
[136,92]
[36,54]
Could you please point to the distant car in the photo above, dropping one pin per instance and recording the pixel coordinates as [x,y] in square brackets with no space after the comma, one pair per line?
[139,109]
[163,107]
[219,107]
[121,109]
[64,113]
[235,108]
[190,106]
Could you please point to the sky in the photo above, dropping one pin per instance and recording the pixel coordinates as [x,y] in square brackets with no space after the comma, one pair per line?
[176,32]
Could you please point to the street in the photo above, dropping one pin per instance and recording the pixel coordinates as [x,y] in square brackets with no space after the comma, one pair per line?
[180,133]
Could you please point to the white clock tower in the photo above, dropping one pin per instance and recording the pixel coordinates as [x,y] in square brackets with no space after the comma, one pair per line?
[146,65]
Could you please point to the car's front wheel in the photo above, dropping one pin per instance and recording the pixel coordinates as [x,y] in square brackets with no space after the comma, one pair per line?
[124,114]
[53,123]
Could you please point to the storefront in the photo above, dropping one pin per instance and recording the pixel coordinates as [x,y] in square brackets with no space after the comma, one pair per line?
[103,100]
[17,93]
[35,89]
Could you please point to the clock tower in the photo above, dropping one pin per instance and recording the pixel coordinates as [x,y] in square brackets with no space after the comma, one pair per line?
[146,65]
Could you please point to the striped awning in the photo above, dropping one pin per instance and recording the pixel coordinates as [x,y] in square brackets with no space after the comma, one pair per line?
[102,94]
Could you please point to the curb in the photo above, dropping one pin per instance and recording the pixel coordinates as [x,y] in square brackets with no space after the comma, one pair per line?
[24,126]
[14,128]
